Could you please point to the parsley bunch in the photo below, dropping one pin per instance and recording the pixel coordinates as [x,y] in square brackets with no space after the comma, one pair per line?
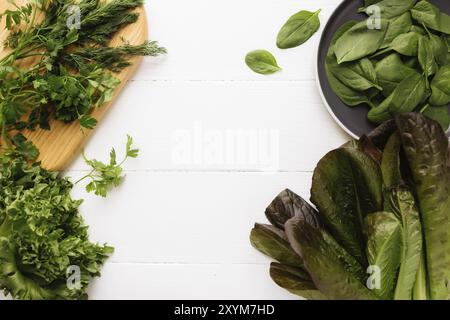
[42,235]
[72,70]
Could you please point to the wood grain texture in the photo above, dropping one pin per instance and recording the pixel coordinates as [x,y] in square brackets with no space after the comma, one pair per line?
[63,142]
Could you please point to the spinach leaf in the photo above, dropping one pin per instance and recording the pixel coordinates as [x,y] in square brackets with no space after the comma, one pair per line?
[382,112]
[426,57]
[439,48]
[359,75]
[327,271]
[406,44]
[346,187]
[295,280]
[429,15]
[409,94]
[384,247]
[440,87]
[348,95]
[298,29]
[397,26]
[390,71]
[391,8]
[272,242]
[403,205]
[288,205]
[427,151]
[359,42]
[262,61]
[440,114]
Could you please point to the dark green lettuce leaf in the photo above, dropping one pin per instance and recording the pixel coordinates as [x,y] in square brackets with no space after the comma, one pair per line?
[273,242]
[427,150]
[390,165]
[346,187]
[403,205]
[328,272]
[384,248]
[295,280]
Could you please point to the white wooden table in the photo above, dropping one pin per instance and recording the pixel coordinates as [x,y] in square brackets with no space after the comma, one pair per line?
[180,222]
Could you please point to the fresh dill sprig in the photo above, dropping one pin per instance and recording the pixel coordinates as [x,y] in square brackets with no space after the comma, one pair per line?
[71,74]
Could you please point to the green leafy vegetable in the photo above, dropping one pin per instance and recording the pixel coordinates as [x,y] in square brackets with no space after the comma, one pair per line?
[359,41]
[384,233]
[390,8]
[262,61]
[105,176]
[298,29]
[440,87]
[42,235]
[397,26]
[429,15]
[382,204]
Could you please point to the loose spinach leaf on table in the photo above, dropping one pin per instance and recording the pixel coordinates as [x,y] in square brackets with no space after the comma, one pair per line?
[262,62]
[359,41]
[298,29]
[389,8]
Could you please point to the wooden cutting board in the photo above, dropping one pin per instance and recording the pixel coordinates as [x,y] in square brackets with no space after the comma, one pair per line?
[63,142]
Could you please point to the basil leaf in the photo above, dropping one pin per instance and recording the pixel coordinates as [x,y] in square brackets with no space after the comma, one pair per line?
[390,71]
[440,114]
[262,61]
[298,29]
[397,26]
[429,15]
[390,8]
[440,87]
[359,42]
[381,113]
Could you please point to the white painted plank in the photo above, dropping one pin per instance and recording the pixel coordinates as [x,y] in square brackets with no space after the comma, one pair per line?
[197,282]
[208,40]
[286,127]
[186,217]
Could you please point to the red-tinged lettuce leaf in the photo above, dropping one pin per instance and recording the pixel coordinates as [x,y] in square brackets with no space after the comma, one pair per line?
[296,281]
[401,202]
[272,242]
[380,135]
[427,150]
[288,205]
[390,164]
[384,250]
[347,186]
[323,263]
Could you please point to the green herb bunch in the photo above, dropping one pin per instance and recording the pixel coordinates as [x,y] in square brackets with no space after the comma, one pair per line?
[42,234]
[398,66]
[72,71]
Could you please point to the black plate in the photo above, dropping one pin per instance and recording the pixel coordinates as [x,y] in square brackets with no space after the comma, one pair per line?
[351,119]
